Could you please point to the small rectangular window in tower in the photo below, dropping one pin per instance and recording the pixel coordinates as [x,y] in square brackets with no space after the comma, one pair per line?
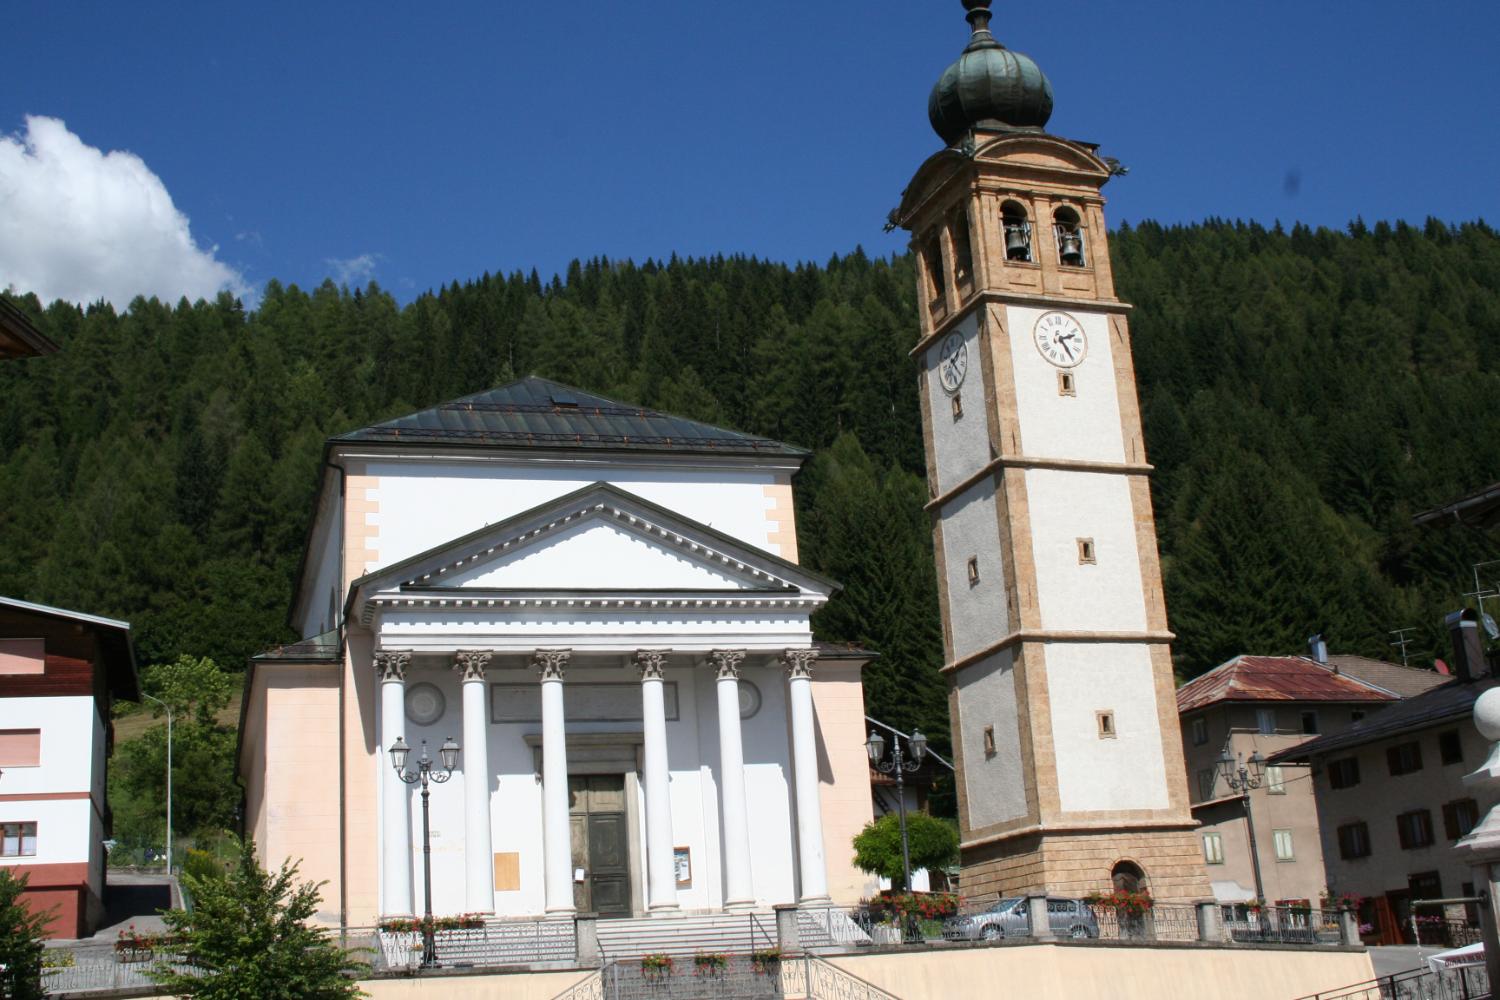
[1086,551]
[973,571]
[958,406]
[1106,721]
[989,741]
[1065,385]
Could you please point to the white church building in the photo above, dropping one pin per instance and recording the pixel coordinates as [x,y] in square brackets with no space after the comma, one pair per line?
[601,605]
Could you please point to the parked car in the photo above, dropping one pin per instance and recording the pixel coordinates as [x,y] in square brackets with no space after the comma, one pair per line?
[1011,917]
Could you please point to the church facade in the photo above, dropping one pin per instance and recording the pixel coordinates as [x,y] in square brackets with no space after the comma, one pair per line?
[601,606]
[1061,691]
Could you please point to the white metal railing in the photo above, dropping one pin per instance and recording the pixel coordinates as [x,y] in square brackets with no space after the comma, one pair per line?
[830,927]
[497,943]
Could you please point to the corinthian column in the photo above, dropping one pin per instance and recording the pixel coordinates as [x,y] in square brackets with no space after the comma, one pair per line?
[479,878]
[738,890]
[814,872]
[661,875]
[395,816]
[556,831]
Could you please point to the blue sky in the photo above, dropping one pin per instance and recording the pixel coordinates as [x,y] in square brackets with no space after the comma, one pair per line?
[418,144]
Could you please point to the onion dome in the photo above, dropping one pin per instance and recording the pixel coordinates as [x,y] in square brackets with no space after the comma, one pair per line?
[989,85]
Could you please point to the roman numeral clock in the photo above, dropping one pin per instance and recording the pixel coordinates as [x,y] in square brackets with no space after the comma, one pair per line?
[1057,653]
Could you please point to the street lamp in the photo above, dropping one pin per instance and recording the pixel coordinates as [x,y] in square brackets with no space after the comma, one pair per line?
[168,709]
[898,765]
[424,773]
[1241,778]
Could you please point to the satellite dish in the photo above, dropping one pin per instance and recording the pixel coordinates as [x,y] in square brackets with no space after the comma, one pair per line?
[1489,626]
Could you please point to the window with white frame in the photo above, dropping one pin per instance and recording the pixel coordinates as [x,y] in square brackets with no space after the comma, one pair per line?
[17,840]
[1283,839]
[1275,780]
[1213,849]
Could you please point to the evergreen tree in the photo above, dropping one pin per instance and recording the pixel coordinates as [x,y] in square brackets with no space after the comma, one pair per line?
[22,931]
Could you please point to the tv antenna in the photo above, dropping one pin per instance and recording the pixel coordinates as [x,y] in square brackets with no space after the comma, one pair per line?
[1479,593]
[1402,641]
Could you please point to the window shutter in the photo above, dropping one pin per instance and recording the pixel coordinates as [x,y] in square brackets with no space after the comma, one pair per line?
[1450,820]
[1393,759]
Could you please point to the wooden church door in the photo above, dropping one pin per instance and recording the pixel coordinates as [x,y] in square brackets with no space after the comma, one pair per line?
[601,844]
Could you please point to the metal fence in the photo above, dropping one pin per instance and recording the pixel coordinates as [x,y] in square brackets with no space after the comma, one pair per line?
[497,943]
[82,969]
[1284,925]
[1467,982]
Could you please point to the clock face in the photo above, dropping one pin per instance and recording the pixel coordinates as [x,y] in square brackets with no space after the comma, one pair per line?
[1061,340]
[953,363]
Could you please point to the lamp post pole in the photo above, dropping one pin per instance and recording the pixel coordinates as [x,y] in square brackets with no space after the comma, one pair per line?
[168,709]
[1242,779]
[898,765]
[424,773]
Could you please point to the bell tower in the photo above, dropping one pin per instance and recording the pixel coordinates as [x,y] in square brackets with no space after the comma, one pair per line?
[1061,693]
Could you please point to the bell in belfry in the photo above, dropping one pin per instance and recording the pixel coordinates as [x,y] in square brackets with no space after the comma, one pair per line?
[1017,241]
[1070,248]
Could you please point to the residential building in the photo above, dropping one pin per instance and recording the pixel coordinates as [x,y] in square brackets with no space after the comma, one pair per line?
[1253,707]
[602,604]
[59,673]
[1056,646]
[1390,796]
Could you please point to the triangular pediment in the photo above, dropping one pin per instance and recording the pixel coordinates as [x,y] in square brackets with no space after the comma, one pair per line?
[597,542]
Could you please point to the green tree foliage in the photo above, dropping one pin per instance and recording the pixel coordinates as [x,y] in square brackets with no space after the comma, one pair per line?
[247,936]
[933,843]
[21,934]
[161,467]
[204,793]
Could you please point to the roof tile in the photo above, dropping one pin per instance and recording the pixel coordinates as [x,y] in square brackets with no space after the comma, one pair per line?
[1275,678]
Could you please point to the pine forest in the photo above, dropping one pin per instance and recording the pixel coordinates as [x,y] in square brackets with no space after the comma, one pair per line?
[1304,393]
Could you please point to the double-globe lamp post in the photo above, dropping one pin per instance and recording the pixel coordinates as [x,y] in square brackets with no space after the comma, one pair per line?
[898,765]
[424,773]
[1242,779]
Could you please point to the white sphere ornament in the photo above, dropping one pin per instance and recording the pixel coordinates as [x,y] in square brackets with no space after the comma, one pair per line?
[1487,715]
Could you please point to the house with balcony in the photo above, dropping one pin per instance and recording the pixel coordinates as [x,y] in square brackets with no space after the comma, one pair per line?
[1260,833]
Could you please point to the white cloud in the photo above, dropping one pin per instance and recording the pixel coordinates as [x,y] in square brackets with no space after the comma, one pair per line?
[353,270]
[82,225]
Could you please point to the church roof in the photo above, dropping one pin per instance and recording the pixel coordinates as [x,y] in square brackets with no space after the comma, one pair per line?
[538,413]
[18,337]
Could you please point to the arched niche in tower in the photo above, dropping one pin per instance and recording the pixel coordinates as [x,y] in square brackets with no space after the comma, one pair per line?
[1016,225]
[937,280]
[1128,876]
[963,252]
[1068,227]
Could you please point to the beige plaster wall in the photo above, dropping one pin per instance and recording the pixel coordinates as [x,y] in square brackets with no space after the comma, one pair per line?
[843,773]
[299,814]
[1063,972]
[252,760]
[516,986]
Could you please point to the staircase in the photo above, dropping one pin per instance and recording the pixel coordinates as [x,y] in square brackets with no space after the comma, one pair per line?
[683,936]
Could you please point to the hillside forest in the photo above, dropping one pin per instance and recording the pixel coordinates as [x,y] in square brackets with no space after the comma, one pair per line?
[1304,392]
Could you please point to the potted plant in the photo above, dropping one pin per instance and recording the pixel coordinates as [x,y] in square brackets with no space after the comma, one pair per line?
[656,967]
[1132,909]
[708,963]
[766,962]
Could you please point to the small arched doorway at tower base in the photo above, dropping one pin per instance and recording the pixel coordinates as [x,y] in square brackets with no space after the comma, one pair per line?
[1127,876]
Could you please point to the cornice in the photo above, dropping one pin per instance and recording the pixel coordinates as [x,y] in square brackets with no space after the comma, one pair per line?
[1033,462]
[988,295]
[591,605]
[1055,635]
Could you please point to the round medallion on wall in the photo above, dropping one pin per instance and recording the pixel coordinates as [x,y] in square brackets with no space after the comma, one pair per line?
[424,704]
[749,699]
[1060,339]
[953,361]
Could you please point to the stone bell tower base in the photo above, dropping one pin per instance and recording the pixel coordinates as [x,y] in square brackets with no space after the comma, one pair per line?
[1065,864]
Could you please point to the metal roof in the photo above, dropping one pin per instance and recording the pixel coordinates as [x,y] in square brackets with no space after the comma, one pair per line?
[1275,678]
[1451,702]
[1481,509]
[115,639]
[538,413]
[316,648]
[1393,677]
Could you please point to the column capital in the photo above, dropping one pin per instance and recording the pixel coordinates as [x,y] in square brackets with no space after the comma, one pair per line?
[470,663]
[799,662]
[391,664]
[651,663]
[551,663]
[727,663]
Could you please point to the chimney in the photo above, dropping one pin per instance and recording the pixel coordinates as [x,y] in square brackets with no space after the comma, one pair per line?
[1468,648]
[1317,648]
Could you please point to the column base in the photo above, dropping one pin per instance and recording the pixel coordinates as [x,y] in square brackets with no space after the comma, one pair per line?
[655,908]
[824,900]
[739,905]
[561,913]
